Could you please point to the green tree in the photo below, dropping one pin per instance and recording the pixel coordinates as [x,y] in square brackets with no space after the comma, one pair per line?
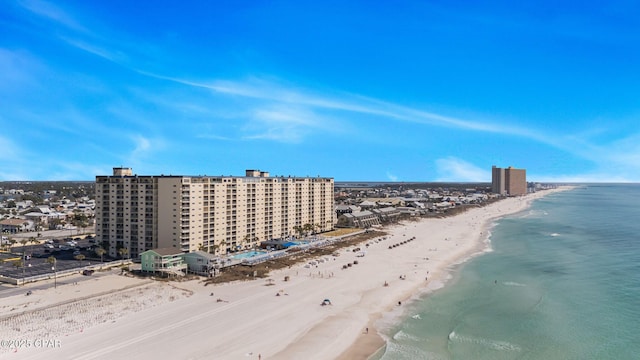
[105,245]
[24,243]
[122,252]
[246,240]
[100,252]
[79,257]
[80,219]
[53,223]
[20,264]
[307,228]
[215,248]
[223,244]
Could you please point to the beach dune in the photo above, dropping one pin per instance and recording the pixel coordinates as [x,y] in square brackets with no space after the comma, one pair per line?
[256,320]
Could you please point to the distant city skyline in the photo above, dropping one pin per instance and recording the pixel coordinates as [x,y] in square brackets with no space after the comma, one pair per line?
[356,91]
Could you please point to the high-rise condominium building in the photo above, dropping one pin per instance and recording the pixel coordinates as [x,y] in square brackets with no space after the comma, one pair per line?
[217,214]
[508,181]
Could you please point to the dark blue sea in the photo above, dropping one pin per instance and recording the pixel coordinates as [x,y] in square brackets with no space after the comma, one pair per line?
[562,282]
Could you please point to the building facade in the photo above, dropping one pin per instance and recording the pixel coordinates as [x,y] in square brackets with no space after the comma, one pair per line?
[509,181]
[163,260]
[216,214]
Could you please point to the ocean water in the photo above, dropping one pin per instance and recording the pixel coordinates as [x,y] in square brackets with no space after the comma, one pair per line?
[562,282]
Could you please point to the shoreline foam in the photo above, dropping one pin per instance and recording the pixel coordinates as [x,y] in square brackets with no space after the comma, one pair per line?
[447,278]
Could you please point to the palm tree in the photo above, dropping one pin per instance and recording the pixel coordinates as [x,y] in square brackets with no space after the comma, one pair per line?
[24,243]
[18,264]
[307,228]
[52,261]
[80,257]
[216,247]
[100,252]
[34,241]
[123,251]
[105,245]
[298,229]
[223,244]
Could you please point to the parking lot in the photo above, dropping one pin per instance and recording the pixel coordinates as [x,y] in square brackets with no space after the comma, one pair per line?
[36,256]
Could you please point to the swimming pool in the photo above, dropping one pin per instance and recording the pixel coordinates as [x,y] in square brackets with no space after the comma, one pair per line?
[248,254]
[300,242]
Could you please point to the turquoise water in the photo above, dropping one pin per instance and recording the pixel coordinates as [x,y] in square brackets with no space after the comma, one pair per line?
[563,282]
[248,254]
[300,242]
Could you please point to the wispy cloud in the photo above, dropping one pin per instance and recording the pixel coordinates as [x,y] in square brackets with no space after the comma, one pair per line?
[454,169]
[257,88]
[285,123]
[48,10]
[392,177]
[113,56]
[210,136]
[143,146]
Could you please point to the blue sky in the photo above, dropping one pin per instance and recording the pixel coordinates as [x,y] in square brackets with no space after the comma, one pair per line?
[355,90]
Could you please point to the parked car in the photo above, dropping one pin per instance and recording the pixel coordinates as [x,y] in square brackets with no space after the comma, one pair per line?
[87,272]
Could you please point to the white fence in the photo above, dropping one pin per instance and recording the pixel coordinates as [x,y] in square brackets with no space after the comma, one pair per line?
[315,242]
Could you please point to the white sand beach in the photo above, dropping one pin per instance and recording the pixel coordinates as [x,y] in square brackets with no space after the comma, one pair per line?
[133,318]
